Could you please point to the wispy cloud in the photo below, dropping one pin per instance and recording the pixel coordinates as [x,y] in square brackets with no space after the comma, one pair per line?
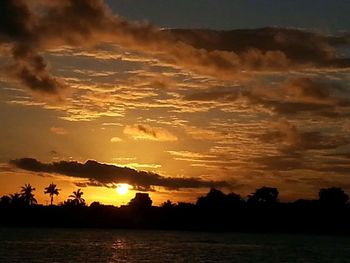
[59,130]
[146,132]
[90,22]
[116,139]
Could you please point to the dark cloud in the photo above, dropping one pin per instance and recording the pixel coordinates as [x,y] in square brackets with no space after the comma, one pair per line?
[17,25]
[315,90]
[31,30]
[345,155]
[146,132]
[215,94]
[103,174]
[293,161]
[334,168]
[288,137]
[298,45]
[302,150]
[282,162]
[31,70]
[297,95]
[32,27]
[15,20]
[301,95]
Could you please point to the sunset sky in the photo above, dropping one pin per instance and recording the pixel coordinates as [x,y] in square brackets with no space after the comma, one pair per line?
[174,97]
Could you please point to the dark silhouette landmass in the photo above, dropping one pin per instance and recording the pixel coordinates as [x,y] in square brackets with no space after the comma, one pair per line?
[259,212]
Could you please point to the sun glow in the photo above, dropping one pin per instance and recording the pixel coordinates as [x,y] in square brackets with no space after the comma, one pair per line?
[122,189]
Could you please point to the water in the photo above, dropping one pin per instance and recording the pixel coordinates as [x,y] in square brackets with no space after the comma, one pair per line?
[92,245]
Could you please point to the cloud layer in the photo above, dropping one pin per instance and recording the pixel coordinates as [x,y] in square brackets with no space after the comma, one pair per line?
[254,106]
[31,28]
[293,96]
[100,174]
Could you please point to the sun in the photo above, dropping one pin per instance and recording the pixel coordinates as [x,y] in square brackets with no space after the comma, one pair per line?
[122,189]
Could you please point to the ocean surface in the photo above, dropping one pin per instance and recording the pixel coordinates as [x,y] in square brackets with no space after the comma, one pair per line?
[96,245]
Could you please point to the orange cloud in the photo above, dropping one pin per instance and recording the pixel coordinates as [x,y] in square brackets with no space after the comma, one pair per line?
[59,130]
[146,132]
[91,22]
[115,139]
[100,174]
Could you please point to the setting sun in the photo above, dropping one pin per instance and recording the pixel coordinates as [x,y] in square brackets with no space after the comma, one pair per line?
[122,189]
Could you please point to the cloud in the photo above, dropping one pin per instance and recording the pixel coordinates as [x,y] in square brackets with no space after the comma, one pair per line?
[34,27]
[200,159]
[287,135]
[314,91]
[296,147]
[59,130]
[17,25]
[144,165]
[190,155]
[293,96]
[213,94]
[204,134]
[31,31]
[284,133]
[146,132]
[31,69]
[104,174]
[302,95]
[299,46]
[282,162]
[115,139]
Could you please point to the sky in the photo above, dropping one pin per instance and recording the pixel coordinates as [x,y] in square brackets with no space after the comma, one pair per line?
[174,97]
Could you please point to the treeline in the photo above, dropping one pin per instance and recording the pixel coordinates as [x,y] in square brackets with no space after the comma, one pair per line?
[26,197]
[261,211]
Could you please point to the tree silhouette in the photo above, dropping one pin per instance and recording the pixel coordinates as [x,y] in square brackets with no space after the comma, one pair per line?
[168,204]
[215,211]
[76,198]
[141,201]
[27,194]
[213,200]
[16,199]
[5,200]
[234,199]
[264,195]
[51,190]
[333,196]
[95,204]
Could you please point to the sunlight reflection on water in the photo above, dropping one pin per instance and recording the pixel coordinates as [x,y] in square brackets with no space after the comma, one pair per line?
[91,245]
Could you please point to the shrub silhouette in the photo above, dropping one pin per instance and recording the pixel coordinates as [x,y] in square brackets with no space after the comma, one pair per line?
[16,199]
[333,197]
[264,195]
[168,204]
[215,199]
[5,200]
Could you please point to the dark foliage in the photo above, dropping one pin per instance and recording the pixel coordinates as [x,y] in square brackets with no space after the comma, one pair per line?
[216,211]
[264,195]
[333,197]
[141,201]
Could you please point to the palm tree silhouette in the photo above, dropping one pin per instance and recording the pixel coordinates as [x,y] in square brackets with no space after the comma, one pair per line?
[52,190]
[16,199]
[27,194]
[76,198]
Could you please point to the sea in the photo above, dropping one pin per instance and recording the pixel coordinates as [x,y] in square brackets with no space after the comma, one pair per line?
[112,245]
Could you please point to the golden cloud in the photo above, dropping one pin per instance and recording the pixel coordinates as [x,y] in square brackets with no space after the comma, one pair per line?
[146,132]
